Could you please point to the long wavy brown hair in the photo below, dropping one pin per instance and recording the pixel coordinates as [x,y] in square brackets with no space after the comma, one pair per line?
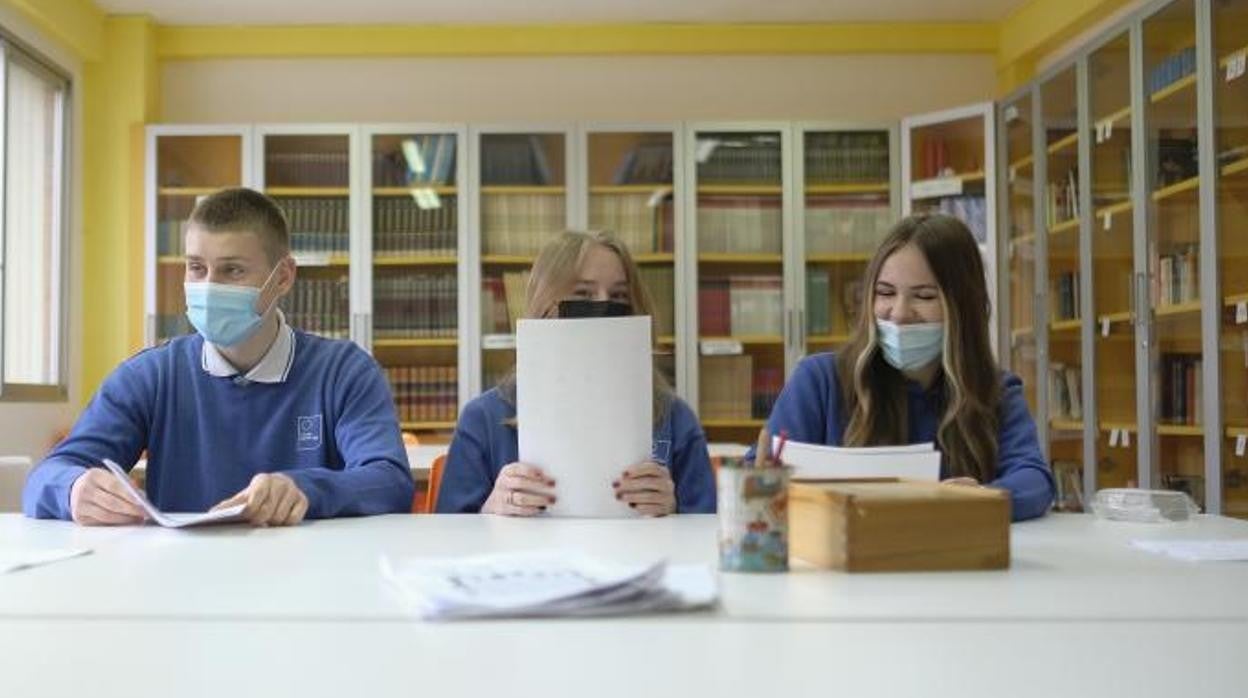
[968,382]
[554,276]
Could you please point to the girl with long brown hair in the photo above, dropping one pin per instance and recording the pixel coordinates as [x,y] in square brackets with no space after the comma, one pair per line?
[589,274]
[919,367]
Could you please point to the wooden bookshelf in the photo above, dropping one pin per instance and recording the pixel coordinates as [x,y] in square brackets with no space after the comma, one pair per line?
[655,258]
[1065,226]
[838,258]
[1114,117]
[416,342]
[1022,163]
[734,423]
[1238,167]
[426,426]
[848,188]
[1063,144]
[1187,185]
[740,190]
[666,340]
[653,189]
[1113,210]
[171,260]
[523,190]
[825,339]
[1059,326]
[1065,425]
[739,258]
[1177,309]
[439,189]
[1117,426]
[745,339]
[188,191]
[509,259]
[415,261]
[1021,333]
[308,191]
[1188,430]
[1173,88]
[312,260]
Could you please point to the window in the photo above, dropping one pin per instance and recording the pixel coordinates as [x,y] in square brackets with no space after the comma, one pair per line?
[33,238]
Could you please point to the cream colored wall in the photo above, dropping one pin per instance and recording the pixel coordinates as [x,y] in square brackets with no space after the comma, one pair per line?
[26,428]
[842,87]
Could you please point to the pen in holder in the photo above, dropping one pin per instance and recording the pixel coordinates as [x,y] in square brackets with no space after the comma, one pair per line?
[754,512]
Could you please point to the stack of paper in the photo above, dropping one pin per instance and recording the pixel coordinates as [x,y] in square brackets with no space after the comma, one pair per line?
[816,462]
[173,520]
[1197,550]
[545,584]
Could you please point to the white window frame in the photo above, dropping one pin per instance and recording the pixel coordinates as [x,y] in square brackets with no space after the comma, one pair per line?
[13,50]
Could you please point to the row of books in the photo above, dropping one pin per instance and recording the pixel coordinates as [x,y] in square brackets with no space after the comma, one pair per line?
[514,159]
[746,158]
[1064,289]
[424,159]
[502,301]
[1068,479]
[766,385]
[1171,69]
[934,160]
[732,387]
[1065,392]
[415,306]
[638,220]
[739,224]
[1062,198]
[847,157]
[171,237]
[741,305]
[401,227]
[1178,276]
[1181,389]
[819,303]
[424,393]
[648,163]
[519,224]
[320,306]
[307,169]
[846,225]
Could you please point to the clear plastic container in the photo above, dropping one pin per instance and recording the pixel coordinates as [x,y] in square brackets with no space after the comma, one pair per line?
[1143,506]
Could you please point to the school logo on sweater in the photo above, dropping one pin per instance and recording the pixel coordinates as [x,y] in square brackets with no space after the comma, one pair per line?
[308,432]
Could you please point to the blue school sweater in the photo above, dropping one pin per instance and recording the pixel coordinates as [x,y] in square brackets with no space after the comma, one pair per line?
[330,426]
[484,443]
[810,409]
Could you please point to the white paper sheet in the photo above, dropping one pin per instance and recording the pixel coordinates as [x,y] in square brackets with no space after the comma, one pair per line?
[172,520]
[583,393]
[545,584]
[1197,550]
[15,559]
[817,462]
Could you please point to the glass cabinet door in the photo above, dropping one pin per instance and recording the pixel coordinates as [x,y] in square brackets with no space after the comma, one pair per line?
[847,200]
[414,215]
[309,176]
[523,205]
[1230,92]
[1060,136]
[1113,233]
[740,271]
[631,194]
[188,168]
[1174,246]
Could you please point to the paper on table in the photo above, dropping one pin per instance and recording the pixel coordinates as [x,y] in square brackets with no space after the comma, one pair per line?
[1197,550]
[545,583]
[583,394]
[817,462]
[172,520]
[12,560]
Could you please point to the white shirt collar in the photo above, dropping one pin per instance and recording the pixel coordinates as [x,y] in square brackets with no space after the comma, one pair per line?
[274,367]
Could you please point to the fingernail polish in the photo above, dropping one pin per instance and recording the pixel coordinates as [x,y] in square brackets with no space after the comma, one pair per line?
[618,495]
[616,483]
[632,505]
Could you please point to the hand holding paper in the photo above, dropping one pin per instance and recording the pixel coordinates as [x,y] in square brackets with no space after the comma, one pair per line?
[160,517]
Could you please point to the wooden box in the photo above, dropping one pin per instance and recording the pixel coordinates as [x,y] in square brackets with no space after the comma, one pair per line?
[894,525]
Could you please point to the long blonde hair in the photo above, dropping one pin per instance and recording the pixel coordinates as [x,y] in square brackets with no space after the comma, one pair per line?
[969,383]
[554,275]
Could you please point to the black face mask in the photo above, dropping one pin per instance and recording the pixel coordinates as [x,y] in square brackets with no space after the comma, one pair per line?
[589,309]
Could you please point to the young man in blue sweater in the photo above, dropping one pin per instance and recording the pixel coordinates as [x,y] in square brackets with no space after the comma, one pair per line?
[246,411]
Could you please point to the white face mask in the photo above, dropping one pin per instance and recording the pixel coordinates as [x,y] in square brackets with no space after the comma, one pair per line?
[910,347]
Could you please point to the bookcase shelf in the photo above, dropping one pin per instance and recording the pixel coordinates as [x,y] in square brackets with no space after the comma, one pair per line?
[745,339]
[827,339]
[657,189]
[655,258]
[309,260]
[1172,89]
[417,342]
[1115,117]
[848,188]
[1183,430]
[308,191]
[415,261]
[1114,210]
[171,260]
[1067,226]
[1187,185]
[1065,425]
[510,260]
[1066,143]
[740,190]
[739,258]
[1234,168]
[839,258]
[1177,309]
[1065,326]
[1022,163]
[440,190]
[426,426]
[187,191]
[522,190]
[734,423]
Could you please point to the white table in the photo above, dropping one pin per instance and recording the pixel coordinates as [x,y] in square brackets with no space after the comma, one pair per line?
[304,611]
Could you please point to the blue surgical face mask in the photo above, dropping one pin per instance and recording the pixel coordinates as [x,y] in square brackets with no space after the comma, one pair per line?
[223,313]
[910,347]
